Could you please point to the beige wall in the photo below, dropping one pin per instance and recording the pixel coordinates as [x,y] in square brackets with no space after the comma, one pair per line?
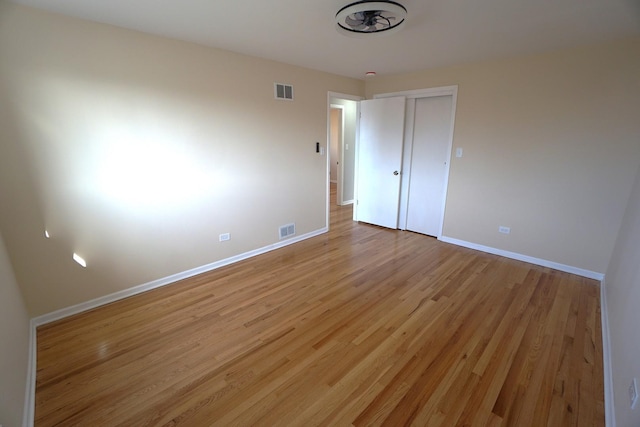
[550,149]
[14,336]
[623,297]
[136,152]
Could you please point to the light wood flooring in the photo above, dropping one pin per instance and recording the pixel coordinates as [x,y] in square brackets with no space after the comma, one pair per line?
[361,326]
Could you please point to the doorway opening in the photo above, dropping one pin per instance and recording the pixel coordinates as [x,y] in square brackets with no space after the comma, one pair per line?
[335,141]
[342,133]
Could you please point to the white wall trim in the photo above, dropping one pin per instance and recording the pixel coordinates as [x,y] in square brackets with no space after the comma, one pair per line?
[28,415]
[30,393]
[609,412]
[422,93]
[526,258]
[125,293]
[29,408]
[344,96]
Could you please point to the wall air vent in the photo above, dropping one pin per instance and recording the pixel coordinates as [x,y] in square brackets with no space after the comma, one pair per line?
[287,231]
[283,91]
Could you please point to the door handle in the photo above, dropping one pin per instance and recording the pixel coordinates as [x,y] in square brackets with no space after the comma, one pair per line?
[396,172]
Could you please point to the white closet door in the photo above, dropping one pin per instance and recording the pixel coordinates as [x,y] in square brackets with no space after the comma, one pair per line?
[380,160]
[427,182]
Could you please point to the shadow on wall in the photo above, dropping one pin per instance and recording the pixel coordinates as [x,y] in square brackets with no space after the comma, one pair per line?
[82,157]
[34,258]
[83,178]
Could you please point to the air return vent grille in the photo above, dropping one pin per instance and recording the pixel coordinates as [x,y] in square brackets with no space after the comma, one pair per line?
[283,91]
[287,231]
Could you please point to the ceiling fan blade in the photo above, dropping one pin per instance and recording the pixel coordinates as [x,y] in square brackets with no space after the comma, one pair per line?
[353,22]
[382,21]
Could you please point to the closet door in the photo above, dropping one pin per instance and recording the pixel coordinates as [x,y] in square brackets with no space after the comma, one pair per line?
[379,161]
[429,158]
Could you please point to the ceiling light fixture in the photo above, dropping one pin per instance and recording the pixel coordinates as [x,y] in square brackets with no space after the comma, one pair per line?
[370,17]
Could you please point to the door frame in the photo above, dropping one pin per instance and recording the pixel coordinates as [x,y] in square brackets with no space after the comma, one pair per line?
[349,97]
[411,96]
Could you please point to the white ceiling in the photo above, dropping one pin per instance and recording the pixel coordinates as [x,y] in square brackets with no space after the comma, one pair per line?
[302,32]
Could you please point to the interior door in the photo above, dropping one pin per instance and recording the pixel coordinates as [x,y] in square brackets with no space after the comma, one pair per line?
[380,161]
[430,154]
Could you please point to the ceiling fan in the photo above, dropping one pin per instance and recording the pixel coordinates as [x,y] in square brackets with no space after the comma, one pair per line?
[370,17]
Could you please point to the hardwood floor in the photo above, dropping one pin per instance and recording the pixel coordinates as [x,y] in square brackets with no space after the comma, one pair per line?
[360,326]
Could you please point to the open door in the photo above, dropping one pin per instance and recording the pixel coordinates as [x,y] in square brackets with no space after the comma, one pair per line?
[380,161]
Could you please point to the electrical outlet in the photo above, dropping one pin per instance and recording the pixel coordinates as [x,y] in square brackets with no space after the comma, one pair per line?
[504,230]
[633,393]
[224,237]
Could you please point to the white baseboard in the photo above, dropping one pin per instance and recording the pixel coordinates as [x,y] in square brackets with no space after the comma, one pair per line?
[347,202]
[125,293]
[610,419]
[28,415]
[609,412]
[29,407]
[29,410]
[532,260]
